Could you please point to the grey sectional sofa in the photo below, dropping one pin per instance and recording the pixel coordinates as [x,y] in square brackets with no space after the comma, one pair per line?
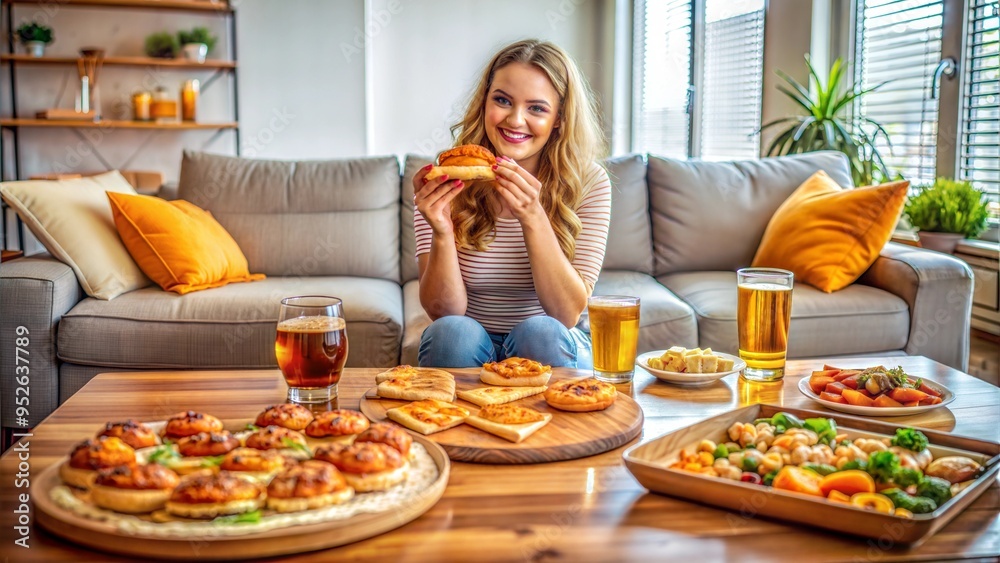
[679,231]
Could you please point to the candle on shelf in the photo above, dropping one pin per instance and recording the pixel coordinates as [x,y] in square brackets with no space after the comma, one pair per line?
[140,106]
[189,100]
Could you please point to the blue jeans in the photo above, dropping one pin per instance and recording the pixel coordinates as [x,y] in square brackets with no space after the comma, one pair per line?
[458,341]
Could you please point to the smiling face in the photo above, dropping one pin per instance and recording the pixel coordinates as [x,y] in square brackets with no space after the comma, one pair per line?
[522,110]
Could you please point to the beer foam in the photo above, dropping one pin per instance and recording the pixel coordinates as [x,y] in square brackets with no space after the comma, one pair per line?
[764,287]
[313,324]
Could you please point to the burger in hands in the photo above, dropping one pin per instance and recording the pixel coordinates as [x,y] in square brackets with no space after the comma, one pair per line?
[467,162]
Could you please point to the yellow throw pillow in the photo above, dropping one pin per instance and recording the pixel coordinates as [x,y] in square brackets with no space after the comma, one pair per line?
[827,235]
[178,245]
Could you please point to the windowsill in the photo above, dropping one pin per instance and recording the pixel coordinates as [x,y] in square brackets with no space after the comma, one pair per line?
[971,247]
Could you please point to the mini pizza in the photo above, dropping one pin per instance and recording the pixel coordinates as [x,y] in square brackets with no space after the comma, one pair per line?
[207,443]
[286,415]
[338,424]
[429,416]
[307,485]
[210,495]
[259,464]
[133,489]
[89,456]
[498,395]
[390,435]
[132,432]
[190,423]
[409,372]
[434,384]
[516,372]
[510,422]
[367,466]
[581,395]
[290,442]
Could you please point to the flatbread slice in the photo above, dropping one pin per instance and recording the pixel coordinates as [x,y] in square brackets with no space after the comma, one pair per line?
[406,372]
[513,423]
[516,372]
[429,416]
[418,388]
[498,395]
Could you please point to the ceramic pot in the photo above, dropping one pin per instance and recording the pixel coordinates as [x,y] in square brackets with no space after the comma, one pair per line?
[942,242]
[195,52]
[35,48]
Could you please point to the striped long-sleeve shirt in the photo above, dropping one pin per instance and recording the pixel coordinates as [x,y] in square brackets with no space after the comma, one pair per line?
[498,280]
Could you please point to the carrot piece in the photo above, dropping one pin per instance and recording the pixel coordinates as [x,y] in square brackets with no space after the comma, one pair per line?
[851,381]
[845,373]
[884,400]
[930,400]
[856,398]
[837,496]
[849,482]
[928,389]
[792,478]
[835,388]
[905,395]
[912,404]
[819,382]
[832,397]
[828,367]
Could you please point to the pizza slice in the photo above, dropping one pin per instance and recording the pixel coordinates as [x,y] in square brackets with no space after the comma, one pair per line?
[418,388]
[510,422]
[409,372]
[516,372]
[498,395]
[429,416]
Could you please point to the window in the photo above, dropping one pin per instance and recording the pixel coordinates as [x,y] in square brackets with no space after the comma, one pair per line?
[979,158]
[899,44]
[697,78]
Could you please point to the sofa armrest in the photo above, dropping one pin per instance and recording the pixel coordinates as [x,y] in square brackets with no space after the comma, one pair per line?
[34,293]
[938,290]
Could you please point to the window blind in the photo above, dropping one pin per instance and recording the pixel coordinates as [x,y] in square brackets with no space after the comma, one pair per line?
[732,79]
[979,157]
[899,42]
[662,74]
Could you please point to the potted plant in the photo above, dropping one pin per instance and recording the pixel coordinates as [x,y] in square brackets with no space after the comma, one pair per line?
[947,212]
[196,43]
[35,37]
[162,45]
[825,126]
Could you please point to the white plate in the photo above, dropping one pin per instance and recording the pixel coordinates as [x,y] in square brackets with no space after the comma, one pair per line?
[946,397]
[688,378]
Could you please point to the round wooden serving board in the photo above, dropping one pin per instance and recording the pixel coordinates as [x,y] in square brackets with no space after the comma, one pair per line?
[570,435]
[281,541]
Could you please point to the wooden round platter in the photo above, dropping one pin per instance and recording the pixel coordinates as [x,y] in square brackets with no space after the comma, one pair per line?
[570,435]
[105,536]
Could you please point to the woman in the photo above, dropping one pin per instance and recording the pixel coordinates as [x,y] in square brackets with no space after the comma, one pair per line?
[506,267]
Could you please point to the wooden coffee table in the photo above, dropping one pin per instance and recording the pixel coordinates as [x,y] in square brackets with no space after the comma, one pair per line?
[586,509]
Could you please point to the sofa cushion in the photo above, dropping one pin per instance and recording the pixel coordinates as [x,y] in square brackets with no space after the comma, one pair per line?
[226,327]
[630,245]
[712,215]
[304,218]
[664,320]
[856,320]
[408,242]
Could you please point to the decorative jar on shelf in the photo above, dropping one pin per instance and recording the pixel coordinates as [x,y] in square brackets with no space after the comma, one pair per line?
[164,106]
[189,100]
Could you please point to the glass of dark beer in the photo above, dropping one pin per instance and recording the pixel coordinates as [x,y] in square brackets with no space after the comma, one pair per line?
[311,346]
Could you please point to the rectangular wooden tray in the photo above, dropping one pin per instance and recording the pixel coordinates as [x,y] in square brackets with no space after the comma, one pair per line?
[649,464]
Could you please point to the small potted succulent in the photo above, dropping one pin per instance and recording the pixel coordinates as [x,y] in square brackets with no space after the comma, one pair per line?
[196,43]
[947,212]
[35,37]
[162,45]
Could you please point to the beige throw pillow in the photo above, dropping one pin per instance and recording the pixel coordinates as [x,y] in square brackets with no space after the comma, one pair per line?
[72,219]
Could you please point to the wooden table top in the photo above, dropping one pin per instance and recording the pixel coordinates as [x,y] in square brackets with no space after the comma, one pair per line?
[585,509]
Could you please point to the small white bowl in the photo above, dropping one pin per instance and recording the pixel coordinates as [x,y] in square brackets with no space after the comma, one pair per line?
[690,379]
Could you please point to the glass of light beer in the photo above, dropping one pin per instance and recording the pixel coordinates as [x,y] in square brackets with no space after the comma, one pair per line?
[614,329]
[311,347]
[763,312]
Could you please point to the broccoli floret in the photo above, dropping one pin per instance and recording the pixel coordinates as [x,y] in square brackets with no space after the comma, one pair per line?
[935,488]
[908,476]
[855,464]
[916,505]
[913,440]
[883,466]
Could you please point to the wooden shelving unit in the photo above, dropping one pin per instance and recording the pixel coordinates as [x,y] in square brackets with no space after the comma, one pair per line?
[117,124]
[120,61]
[183,5]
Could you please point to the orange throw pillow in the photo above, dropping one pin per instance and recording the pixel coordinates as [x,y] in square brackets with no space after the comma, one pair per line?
[827,235]
[178,245]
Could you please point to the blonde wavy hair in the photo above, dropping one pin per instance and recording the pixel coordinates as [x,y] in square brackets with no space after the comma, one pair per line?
[565,159]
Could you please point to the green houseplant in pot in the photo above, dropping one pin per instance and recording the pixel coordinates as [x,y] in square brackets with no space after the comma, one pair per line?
[947,212]
[196,43]
[35,37]
[162,45]
[826,125]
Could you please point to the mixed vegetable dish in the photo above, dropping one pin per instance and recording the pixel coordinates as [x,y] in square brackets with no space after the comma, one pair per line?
[872,387]
[897,475]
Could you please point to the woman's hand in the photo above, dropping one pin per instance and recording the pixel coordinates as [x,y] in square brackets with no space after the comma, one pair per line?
[519,189]
[432,198]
